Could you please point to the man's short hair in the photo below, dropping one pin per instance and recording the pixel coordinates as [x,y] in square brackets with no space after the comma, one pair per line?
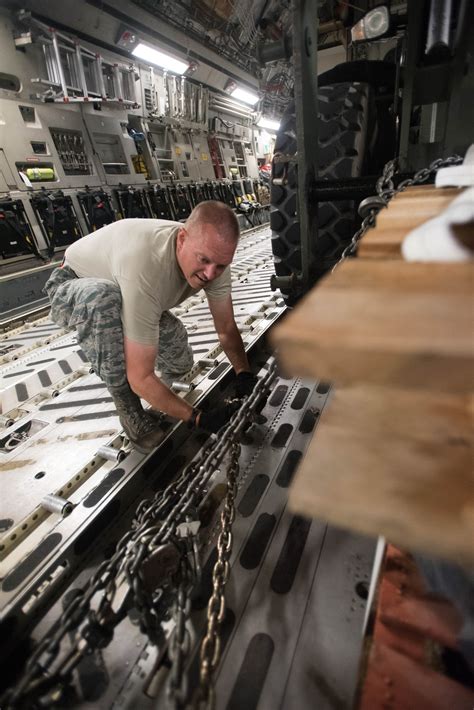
[219,215]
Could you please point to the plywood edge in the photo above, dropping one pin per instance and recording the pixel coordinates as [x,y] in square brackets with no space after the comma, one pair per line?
[394,463]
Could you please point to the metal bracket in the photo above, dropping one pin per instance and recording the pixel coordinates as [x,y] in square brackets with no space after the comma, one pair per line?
[160,566]
[61,50]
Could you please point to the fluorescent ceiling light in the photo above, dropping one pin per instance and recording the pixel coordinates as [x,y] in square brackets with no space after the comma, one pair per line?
[269,124]
[246,96]
[148,54]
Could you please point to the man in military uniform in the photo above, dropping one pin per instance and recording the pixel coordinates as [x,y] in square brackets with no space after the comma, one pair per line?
[115,288]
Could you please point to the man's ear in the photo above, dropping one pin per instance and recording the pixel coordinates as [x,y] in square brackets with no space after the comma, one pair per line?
[181,237]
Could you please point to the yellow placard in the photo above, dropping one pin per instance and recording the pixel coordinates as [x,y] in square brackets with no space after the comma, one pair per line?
[178,150]
[204,156]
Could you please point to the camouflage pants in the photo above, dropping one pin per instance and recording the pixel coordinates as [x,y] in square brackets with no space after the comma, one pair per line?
[93,308]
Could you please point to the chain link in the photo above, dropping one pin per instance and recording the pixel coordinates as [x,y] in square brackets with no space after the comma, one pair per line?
[179,644]
[211,645]
[120,583]
[386,190]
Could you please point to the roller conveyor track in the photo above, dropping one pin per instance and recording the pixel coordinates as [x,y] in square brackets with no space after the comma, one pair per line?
[293,609]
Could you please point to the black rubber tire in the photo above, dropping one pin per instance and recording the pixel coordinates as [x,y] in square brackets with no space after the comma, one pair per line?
[344,112]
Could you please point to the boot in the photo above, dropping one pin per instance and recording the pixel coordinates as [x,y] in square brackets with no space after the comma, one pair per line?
[154,415]
[141,428]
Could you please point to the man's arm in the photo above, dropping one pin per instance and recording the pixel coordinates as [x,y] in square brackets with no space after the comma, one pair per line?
[140,363]
[222,312]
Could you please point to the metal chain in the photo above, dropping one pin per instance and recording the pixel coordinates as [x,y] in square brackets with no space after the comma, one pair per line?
[120,583]
[178,685]
[386,190]
[211,645]
[179,645]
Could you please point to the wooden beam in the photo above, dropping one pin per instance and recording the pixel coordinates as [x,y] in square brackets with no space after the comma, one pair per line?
[407,210]
[384,322]
[396,463]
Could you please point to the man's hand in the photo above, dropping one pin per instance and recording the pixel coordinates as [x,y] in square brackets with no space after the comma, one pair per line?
[218,417]
[244,384]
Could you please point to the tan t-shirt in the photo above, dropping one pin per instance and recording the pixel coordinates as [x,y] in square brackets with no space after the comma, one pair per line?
[139,255]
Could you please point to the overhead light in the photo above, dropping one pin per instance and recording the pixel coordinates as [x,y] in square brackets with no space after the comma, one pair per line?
[268,124]
[192,67]
[126,38]
[375,23]
[230,86]
[246,96]
[160,59]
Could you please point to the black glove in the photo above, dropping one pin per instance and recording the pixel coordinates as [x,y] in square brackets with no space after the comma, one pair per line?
[244,384]
[218,417]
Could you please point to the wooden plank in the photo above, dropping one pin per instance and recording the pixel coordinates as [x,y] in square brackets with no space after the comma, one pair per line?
[384,322]
[406,211]
[395,463]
